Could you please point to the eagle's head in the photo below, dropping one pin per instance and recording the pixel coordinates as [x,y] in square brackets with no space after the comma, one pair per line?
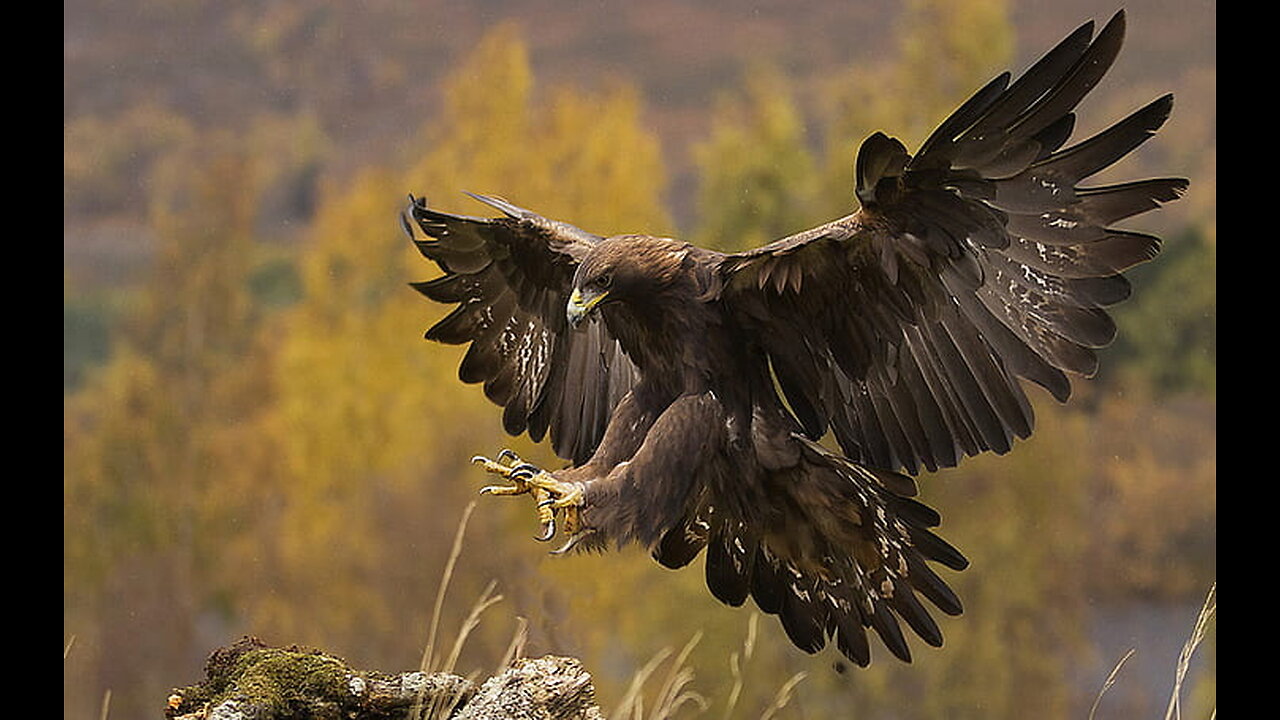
[631,269]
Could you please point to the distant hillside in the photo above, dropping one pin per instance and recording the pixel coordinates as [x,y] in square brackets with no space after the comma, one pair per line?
[368,72]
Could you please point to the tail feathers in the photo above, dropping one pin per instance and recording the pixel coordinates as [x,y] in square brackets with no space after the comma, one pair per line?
[730,560]
[836,553]
[682,543]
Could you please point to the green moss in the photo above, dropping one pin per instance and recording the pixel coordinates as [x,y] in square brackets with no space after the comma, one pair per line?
[277,682]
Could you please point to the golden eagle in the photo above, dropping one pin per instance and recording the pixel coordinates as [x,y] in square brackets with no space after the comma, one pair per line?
[688,388]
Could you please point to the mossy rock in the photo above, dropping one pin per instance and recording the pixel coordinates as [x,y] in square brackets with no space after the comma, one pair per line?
[250,680]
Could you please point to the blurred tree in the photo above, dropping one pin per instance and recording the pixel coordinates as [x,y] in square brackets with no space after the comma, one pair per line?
[270,448]
[198,306]
[344,389]
[757,175]
[597,162]
[1167,334]
[557,152]
[147,510]
[483,133]
[946,51]
[85,332]
[107,162]
[374,429]
[290,151]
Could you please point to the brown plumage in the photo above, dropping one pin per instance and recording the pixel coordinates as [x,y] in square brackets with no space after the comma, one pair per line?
[688,388]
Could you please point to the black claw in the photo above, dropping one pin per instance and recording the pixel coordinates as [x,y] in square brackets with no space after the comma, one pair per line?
[548,531]
[525,470]
[573,540]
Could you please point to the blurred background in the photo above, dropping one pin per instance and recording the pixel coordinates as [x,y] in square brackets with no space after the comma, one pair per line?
[257,440]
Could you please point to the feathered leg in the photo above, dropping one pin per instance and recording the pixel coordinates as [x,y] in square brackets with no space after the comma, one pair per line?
[635,488]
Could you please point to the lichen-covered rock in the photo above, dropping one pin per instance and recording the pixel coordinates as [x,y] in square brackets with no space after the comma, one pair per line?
[545,688]
[250,680]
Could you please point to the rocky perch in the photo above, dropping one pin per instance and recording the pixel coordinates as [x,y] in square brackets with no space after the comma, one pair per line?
[250,680]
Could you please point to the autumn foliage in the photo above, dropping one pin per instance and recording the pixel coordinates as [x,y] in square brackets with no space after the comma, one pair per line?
[261,442]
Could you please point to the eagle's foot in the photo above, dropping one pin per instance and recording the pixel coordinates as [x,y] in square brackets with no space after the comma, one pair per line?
[549,493]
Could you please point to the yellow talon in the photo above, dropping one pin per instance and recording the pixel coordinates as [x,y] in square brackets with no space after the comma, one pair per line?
[546,515]
[550,494]
[515,471]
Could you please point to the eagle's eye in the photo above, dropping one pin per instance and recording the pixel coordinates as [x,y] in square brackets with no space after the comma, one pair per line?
[603,281]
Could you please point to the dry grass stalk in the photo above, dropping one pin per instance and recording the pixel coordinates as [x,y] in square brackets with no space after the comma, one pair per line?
[738,662]
[428,651]
[443,707]
[1111,680]
[673,694]
[784,695]
[106,705]
[487,600]
[1207,613]
[632,703]
[515,650]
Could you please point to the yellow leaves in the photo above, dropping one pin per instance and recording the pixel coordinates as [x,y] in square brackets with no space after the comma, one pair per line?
[367,415]
[760,180]
[359,388]
[598,163]
[948,50]
[98,152]
[486,99]
[350,262]
[584,157]
[300,469]
[1157,490]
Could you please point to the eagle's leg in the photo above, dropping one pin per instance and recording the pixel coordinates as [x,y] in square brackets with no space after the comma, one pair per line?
[549,493]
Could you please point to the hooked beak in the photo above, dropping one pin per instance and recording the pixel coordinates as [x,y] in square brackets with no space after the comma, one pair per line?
[581,304]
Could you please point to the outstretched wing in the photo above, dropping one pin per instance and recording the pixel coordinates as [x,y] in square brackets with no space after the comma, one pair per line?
[510,278]
[903,327]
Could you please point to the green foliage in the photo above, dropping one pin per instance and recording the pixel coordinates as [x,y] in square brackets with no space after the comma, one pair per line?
[496,134]
[275,283]
[907,94]
[1168,333]
[758,176]
[947,50]
[85,337]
